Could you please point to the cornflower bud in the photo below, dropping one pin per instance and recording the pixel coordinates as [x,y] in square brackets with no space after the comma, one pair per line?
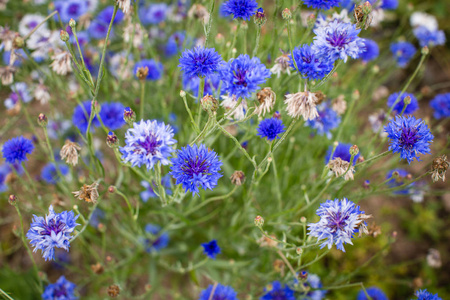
[182,94]
[129,116]
[12,199]
[286,14]
[311,20]
[439,167]
[259,221]
[260,17]
[111,189]
[407,100]
[354,150]
[72,23]
[18,42]
[64,36]
[367,8]
[209,104]
[112,140]
[42,120]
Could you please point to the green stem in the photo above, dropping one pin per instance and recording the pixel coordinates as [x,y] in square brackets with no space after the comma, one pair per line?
[142,101]
[201,89]
[190,114]
[39,25]
[258,38]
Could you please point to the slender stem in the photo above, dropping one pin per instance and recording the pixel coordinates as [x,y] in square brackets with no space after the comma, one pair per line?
[33,186]
[212,199]
[258,38]
[86,224]
[39,25]
[287,263]
[127,201]
[208,30]
[2,292]
[142,101]
[373,158]
[238,27]
[190,114]
[30,254]
[201,89]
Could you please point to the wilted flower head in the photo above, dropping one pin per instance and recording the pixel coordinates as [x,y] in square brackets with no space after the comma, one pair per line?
[237,178]
[282,64]
[41,93]
[434,258]
[69,152]
[88,193]
[229,103]
[240,9]
[339,105]
[266,98]
[148,143]
[339,221]
[7,74]
[196,167]
[133,32]
[55,230]
[62,289]
[155,69]
[340,167]
[62,64]
[439,167]
[302,104]
[7,37]
[199,12]
[124,5]
[338,40]
[408,136]
[200,61]
[221,292]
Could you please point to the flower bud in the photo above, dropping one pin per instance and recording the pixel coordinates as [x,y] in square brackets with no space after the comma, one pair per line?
[12,199]
[299,251]
[209,104]
[367,8]
[142,73]
[113,291]
[286,14]
[277,115]
[259,221]
[425,50]
[237,178]
[182,94]
[366,184]
[64,36]
[72,23]
[111,189]
[354,150]
[260,17]
[311,20]
[18,42]
[303,219]
[407,100]
[129,116]
[42,120]
[112,140]
[303,275]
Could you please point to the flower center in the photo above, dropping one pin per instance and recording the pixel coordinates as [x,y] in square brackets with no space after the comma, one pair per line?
[336,221]
[150,144]
[52,225]
[196,167]
[240,78]
[73,9]
[337,39]
[60,291]
[408,137]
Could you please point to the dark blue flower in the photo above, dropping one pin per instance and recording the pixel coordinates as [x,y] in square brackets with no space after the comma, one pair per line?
[55,230]
[371,51]
[408,136]
[211,249]
[240,9]
[338,40]
[398,108]
[212,83]
[425,295]
[339,221]
[175,43]
[342,151]
[62,289]
[106,14]
[149,193]
[147,143]
[221,292]
[155,13]
[111,114]
[80,117]
[403,52]
[310,64]
[278,291]
[321,4]
[4,171]
[16,149]
[99,29]
[441,106]
[374,293]
[196,167]
[327,120]
[270,128]
[49,173]
[72,9]
[389,4]
[428,37]
[199,61]
[158,240]
[242,76]
[155,69]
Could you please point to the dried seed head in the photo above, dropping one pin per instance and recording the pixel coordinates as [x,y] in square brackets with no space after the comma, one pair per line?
[62,63]
[88,193]
[97,268]
[113,290]
[339,167]
[434,258]
[339,105]
[7,74]
[69,152]
[302,104]
[439,167]
[142,73]
[199,12]
[237,178]
[266,98]
[374,229]
[124,5]
[361,225]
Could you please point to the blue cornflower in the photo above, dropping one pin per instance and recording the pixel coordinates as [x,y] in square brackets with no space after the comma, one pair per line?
[270,128]
[240,9]
[199,61]
[338,40]
[398,108]
[243,75]
[62,289]
[72,9]
[403,52]
[111,114]
[310,64]
[221,292]
[80,117]
[428,37]
[389,4]
[212,83]
[55,230]
[4,171]
[174,43]
[278,291]
[149,193]
[98,30]
[339,221]
[342,151]
[106,14]
[374,293]
[425,295]
[155,69]
[155,13]
[441,106]
[223,11]
[408,136]
[196,167]
[321,4]
[327,120]
[20,94]
[211,249]
[313,281]
[158,241]
[371,51]
[16,149]
[400,180]
[148,143]
[49,173]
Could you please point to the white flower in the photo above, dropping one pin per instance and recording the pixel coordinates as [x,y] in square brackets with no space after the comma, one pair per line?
[41,93]
[124,5]
[339,167]
[29,22]
[423,19]
[62,64]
